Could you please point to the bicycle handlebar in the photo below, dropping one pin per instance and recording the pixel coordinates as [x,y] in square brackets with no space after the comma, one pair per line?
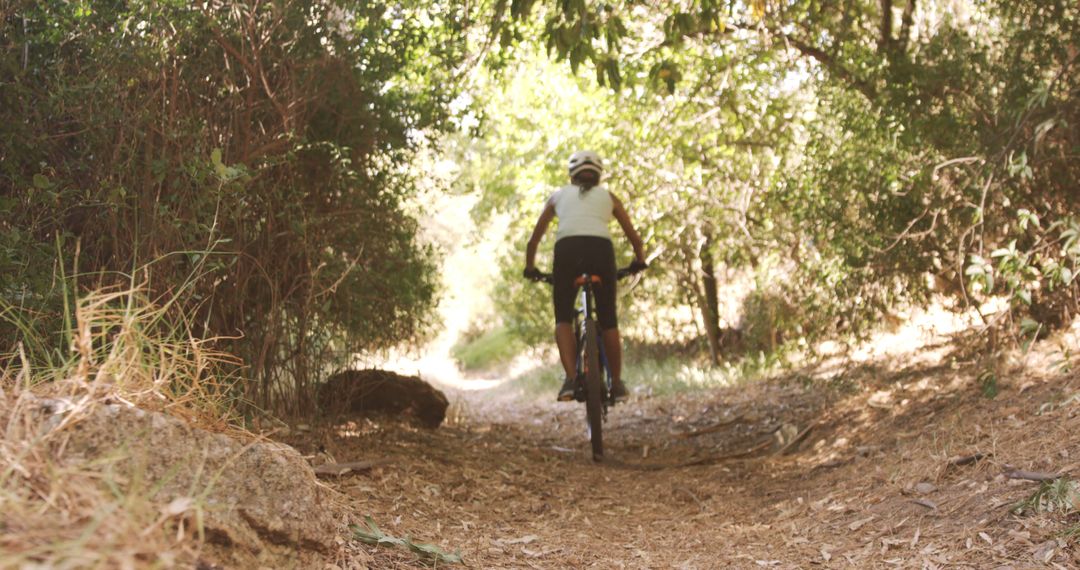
[620,274]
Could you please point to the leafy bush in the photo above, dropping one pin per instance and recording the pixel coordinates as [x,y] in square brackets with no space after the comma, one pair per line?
[487,350]
[256,155]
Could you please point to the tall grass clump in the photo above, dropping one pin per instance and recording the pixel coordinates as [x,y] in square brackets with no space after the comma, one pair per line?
[61,510]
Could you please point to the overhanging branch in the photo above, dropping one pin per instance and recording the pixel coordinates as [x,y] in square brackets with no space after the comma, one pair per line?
[831,65]
[827,60]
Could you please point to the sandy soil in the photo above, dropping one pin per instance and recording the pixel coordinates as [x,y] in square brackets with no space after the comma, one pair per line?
[848,470]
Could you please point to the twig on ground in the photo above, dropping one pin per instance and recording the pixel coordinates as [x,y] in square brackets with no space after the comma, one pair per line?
[797,439]
[339,469]
[727,456]
[700,504]
[925,503]
[1032,475]
[967,459]
[709,429]
[834,463]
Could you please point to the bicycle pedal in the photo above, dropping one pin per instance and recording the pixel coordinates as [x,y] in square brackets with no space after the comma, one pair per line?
[579,390]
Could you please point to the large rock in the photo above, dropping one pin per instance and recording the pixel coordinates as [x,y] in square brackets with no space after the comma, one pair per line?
[359,391]
[249,493]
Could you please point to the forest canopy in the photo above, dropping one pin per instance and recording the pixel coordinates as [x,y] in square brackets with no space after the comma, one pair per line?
[854,157]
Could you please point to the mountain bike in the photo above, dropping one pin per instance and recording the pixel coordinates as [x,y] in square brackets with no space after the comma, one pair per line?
[593,374]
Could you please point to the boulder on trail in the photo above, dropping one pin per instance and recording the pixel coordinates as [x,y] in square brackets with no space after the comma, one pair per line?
[249,494]
[361,391]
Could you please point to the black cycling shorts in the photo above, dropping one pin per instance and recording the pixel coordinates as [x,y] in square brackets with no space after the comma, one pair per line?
[575,255]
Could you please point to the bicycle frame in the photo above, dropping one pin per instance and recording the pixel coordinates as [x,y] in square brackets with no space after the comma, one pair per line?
[586,310]
[589,334]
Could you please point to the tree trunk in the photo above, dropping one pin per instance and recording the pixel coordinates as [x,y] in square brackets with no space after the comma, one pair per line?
[886,38]
[710,309]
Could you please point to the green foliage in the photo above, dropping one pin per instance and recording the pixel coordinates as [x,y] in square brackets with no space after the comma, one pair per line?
[1071,532]
[1064,364]
[685,169]
[847,209]
[662,375]
[923,142]
[429,553]
[257,155]
[541,381]
[1062,495]
[988,384]
[675,375]
[487,350]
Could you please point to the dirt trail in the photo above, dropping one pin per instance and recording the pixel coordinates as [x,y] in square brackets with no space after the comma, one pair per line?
[715,480]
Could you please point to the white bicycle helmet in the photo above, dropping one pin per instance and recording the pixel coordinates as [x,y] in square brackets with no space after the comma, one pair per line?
[583,160]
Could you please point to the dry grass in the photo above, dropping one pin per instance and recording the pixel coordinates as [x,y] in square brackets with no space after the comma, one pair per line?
[67,512]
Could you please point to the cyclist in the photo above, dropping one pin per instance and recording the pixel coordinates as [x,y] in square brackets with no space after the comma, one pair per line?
[583,245]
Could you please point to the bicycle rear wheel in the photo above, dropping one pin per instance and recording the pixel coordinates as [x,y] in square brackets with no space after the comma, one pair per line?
[594,390]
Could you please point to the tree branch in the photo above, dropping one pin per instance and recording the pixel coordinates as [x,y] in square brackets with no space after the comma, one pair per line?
[831,65]
[821,56]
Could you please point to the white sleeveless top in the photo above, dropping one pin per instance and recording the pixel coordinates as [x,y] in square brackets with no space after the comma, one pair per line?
[583,213]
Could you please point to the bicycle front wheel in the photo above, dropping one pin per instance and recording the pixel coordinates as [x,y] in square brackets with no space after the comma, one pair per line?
[594,390]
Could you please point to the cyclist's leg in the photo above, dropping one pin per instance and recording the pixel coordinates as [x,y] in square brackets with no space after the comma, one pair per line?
[607,315]
[613,352]
[601,261]
[566,340]
[567,260]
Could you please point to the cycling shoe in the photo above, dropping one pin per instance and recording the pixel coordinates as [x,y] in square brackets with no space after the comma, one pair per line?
[619,393]
[566,393]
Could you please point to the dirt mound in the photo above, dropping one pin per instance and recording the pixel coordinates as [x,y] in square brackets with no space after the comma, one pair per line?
[245,494]
[361,391]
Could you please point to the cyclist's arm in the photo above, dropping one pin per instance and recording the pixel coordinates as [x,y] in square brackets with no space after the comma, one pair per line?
[628,228]
[538,234]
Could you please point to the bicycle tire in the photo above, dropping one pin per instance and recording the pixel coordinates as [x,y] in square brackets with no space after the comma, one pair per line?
[594,390]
